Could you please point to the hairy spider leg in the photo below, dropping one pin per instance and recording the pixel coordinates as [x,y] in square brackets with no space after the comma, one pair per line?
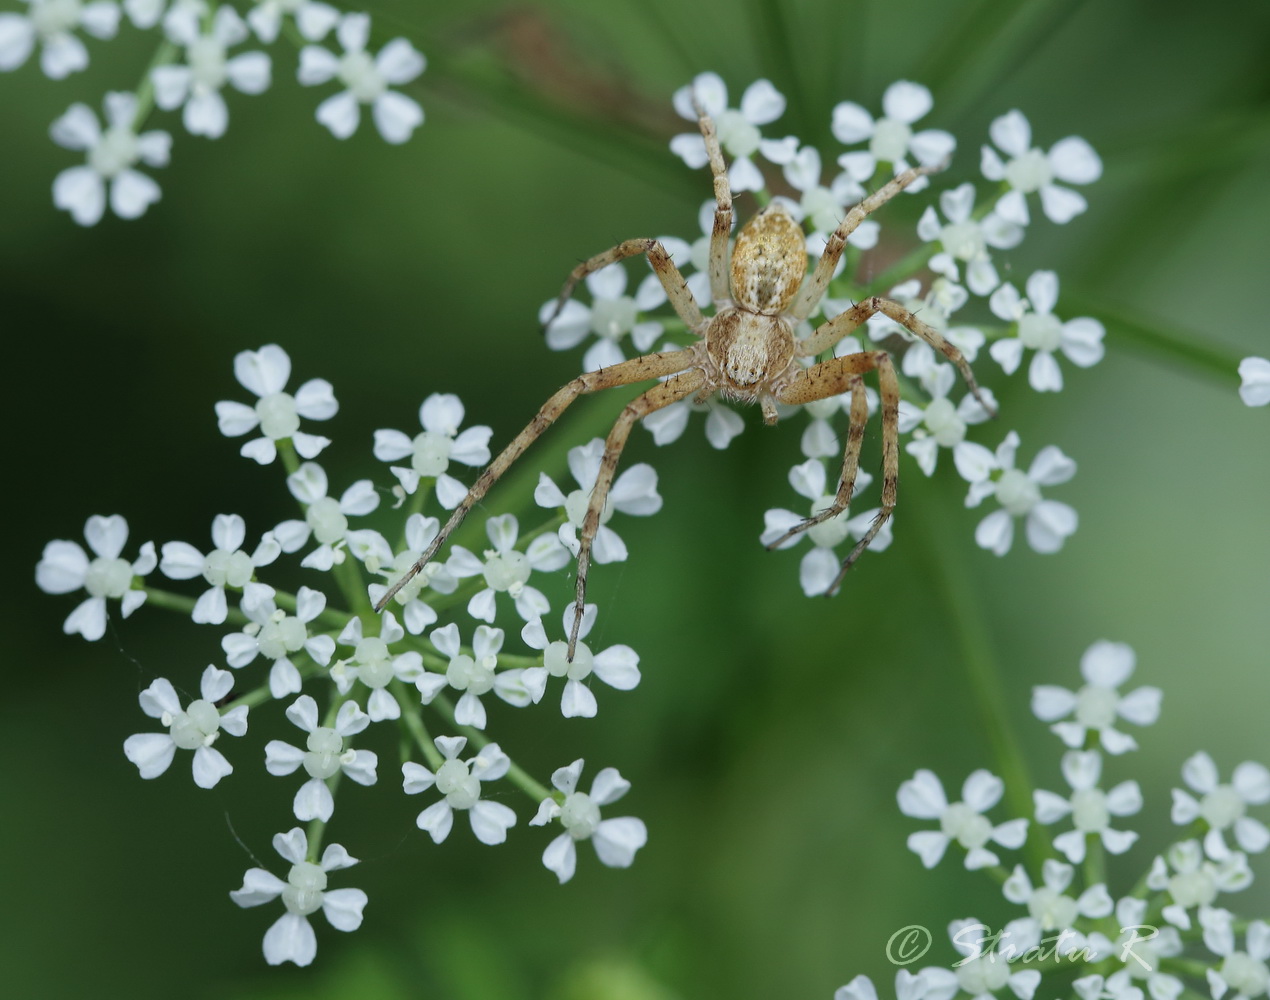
[720,289]
[641,369]
[670,391]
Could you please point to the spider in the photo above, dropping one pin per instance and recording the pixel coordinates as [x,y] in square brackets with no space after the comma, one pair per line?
[746,351]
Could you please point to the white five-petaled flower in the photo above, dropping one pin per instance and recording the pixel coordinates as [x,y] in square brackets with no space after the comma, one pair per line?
[52,23]
[1224,807]
[615,840]
[1254,381]
[477,674]
[891,138]
[65,567]
[922,797]
[1140,946]
[291,938]
[634,492]
[1096,706]
[1048,905]
[1048,522]
[985,967]
[459,782]
[367,79]
[196,727]
[611,315]
[617,666]
[1028,170]
[737,129]
[825,207]
[965,239]
[197,82]
[1193,880]
[1090,808]
[326,754]
[376,666]
[276,635]
[325,518]
[313,19]
[1080,339]
[1245,973]
[507,570]
[276,413]
[941,424]
[433,449]
[820,567]
[110,158]
[416,613]
[227,565]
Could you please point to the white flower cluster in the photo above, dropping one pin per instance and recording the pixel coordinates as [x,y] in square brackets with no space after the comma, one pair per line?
[203,48]
[1163,934]
[434,658]
[956,240]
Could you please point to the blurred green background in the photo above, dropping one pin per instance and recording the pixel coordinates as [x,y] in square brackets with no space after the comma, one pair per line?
[770,732]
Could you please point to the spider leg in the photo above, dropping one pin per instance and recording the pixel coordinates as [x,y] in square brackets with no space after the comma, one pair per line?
[828,334]
[670,391]
[814,287]
[640,369]
[720,289]
[831,378]
[669,275]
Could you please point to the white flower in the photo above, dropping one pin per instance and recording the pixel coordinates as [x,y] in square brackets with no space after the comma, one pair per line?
[325,518]
[460,783]
[265,372]
[669,423]
[1048,522]
[922,797]
[965,239]
[477,674]
[738,129]
[313,19]
[1141,947]
[197,83]
[617,666]
[1192,880]
[275,635]
[327,753]
[1246,972]
[611,315]
[891,138]
[942,299]
[823,206]
[1071,160]
[51,23]
[1090,808]
[227,565]
[1048,905]
[367,78]
[291,938]
[1254,378]
[1096,706]
[507,570]
[940,424]
[196,727]
[983,971]
[907,987]
[1039,329]
[615,840]
[65,567]
[111,156]
[634,492]
[431,451]
[1223,807]
[820,567]
[374,664]
[416,613]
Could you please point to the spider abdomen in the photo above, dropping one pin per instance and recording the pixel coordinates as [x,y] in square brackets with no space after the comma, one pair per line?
[748,350]
[769,261]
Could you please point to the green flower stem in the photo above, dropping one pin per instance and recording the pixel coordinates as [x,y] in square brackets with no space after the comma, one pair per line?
[348,575]
[956,593]
[1095,861]
[164,54]
[290,460]
[413,718]
[317,827]
[516,774]
[157,598]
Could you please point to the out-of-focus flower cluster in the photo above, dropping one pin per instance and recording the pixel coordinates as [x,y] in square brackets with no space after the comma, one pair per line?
[1082,930]
[203,49]
[950,278]
[324,675]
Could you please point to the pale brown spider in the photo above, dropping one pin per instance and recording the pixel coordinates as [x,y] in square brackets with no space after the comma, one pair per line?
[746,351]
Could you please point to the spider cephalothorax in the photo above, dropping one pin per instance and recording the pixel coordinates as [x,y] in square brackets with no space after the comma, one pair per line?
[747,351]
